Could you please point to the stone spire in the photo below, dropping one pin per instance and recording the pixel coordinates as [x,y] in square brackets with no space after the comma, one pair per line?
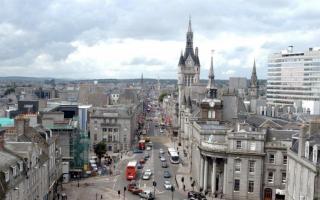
[211,89]
[254,79]
[189,41]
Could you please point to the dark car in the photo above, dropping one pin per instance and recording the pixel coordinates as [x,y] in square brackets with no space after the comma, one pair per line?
[139,166]
[196,195]
[135,190]
[166,174]
[164,164]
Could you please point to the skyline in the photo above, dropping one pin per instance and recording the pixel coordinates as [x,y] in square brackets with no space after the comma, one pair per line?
[112,39]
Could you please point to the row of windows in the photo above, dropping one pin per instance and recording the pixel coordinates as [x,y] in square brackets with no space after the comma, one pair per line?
[13,170]
[110,130]
[236,186]
[252,145]
[237,166]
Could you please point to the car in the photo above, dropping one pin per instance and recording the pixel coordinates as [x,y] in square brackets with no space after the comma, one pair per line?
[161,151]
[136,150]
[132,184]
[161,131]
[167,185]
[148,171]
[166,174]
[196,195]
[164,164]
[163,159]
[139,166]
[142,161]
[146,176]
[146,155]
[146,195]
[135,190]
[148,148]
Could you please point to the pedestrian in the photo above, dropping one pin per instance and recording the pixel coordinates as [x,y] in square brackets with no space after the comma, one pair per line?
[101,196]
[184,187]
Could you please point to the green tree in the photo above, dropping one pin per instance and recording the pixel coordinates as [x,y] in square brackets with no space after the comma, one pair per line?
[162,95]
[100,149]
[3,186]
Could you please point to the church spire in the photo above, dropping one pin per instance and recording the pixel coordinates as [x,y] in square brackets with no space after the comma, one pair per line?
[189,27]
[254,79]
[212,90]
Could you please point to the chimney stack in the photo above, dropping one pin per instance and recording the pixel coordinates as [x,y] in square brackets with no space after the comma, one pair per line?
[302,140]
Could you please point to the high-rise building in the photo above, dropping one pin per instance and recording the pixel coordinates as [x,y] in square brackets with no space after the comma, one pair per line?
[294,80]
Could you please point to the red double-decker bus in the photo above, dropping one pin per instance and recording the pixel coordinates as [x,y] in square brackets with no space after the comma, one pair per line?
[131,170]
[142,144]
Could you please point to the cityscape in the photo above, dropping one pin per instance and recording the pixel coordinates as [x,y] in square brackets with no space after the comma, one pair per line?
[131,100]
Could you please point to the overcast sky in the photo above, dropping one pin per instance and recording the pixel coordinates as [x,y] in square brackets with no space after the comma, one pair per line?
[122,39]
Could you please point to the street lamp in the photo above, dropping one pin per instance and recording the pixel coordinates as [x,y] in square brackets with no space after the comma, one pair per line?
[154,188]
[172,191]
[124,192]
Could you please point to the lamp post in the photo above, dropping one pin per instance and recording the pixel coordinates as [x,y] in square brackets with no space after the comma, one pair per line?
[172,191]
[154,188]
[124,192]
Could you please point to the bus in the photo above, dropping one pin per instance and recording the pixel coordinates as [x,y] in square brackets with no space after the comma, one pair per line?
[173,155]
[131,170]
[142,144]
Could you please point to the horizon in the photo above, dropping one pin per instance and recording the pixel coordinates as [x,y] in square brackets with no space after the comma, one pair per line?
[117,40]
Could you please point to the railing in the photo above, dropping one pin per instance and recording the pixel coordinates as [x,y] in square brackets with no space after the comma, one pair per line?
[213,146]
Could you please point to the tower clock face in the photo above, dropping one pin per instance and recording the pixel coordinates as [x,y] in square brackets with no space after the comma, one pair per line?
[211,104]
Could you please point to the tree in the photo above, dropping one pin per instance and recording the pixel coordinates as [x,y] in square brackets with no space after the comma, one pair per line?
[100,149]
[162,95]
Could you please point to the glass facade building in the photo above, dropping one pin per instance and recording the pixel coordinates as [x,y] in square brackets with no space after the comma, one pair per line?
[294,79]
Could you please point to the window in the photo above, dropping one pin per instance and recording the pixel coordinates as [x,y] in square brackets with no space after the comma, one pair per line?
[284,177]
[238,146]
[104,129]
[6,174]
[95,137]
[110,130]
[236,184]
[250,186]
[124,138]
[115,130]
[252,146]
[251,165]
[285,159]
[237,165]
[271,158]
[270,177]
[211,114]
[109,138]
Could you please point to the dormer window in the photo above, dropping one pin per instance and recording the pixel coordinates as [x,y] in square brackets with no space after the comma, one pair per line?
[306,151]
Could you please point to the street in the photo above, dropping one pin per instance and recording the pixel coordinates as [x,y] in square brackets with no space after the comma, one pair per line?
[109,186]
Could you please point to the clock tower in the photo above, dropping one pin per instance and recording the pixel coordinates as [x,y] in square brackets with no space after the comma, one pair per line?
[188,67]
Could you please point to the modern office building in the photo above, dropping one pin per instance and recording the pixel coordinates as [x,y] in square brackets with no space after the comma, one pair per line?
[294,80]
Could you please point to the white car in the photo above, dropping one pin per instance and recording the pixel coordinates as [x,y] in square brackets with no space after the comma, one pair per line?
[167,185]
[146,194]
[163,159]
[148,171]
[161,151]
[146,176]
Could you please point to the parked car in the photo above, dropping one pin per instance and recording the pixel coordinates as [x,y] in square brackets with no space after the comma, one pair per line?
[166,174]
[167,185]
[146,176]
[135,190]
[196,195]
[139,166]
[164,164]
[161,151]
[142,161]
[146,195]
[148,148]
[163,159]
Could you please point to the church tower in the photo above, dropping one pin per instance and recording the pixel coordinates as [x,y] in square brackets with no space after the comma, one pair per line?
[253,89]
[188,67]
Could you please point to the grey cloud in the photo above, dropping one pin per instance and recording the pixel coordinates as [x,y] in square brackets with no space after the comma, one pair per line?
[143,61]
